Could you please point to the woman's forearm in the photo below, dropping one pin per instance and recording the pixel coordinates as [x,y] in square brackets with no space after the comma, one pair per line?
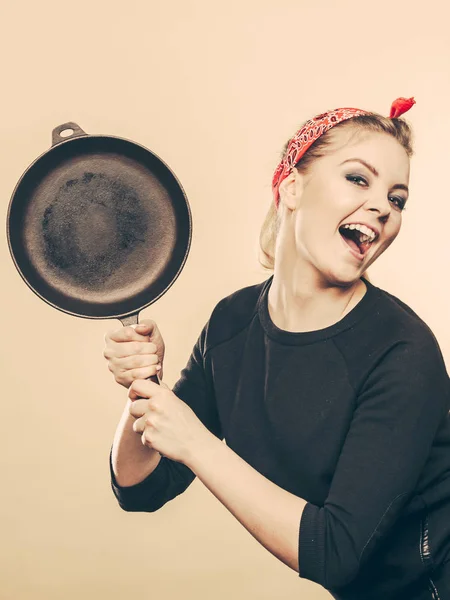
[270,513]
[131,460]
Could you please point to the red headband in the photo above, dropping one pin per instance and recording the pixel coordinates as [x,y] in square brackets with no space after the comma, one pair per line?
[314,128]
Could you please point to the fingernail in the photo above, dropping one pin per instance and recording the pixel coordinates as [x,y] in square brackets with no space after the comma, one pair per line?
[158,367]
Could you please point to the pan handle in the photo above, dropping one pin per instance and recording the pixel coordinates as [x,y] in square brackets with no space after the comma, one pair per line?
[134,320]
[57,138]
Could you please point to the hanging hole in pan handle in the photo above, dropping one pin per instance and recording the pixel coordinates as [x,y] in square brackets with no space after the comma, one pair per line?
[66,131]
[134,320]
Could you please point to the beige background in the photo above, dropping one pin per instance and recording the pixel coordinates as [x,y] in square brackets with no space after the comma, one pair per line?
[215,89]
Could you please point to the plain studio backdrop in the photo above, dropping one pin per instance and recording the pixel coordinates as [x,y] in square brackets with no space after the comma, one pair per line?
[215,89]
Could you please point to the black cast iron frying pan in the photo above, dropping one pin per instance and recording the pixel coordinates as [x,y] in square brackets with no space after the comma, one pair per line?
[98,226]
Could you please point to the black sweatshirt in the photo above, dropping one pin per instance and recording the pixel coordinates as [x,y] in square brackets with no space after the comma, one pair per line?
[353,418]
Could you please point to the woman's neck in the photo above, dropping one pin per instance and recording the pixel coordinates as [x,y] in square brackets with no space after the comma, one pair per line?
[291,308]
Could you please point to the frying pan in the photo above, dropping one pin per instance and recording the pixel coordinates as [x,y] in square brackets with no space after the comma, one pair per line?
[98,226]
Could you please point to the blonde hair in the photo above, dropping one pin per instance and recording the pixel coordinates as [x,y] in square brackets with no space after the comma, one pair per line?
[397,128]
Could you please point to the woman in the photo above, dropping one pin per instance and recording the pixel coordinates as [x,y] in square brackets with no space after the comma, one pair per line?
[332,394]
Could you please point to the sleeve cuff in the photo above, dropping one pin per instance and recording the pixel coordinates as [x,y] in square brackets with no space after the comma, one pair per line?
[311,544]
[138,496]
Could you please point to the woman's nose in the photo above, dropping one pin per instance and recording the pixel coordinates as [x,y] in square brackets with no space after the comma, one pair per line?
[381,204]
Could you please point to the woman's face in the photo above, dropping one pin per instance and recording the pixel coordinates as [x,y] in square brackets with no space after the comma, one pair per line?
[337,191]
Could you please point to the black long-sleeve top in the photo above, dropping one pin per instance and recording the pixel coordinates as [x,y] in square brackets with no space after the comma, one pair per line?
[353,418]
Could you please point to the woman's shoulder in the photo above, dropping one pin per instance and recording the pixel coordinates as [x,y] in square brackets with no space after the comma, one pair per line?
[233,313]
[395,318]
[242,299]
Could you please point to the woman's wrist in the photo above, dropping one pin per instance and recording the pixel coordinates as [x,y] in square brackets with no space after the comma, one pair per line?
[204,443]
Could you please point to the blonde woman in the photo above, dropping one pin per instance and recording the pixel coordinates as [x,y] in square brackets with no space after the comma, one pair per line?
[331,393]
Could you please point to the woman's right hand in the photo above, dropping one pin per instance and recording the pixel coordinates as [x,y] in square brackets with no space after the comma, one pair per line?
[134,352]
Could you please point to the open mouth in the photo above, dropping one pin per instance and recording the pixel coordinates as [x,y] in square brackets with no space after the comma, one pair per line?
[356,239]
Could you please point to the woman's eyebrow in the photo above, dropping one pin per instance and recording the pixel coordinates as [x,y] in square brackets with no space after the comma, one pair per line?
[371,168]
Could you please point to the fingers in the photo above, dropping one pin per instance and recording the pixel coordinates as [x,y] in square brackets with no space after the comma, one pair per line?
[142,389]
[145,415]
[140,424]
[126,378]
[129,368]
[131,355]
[121,350]
[132,333]
[139,408]
[126,334]
[134,362]
[146,327]
[142,373]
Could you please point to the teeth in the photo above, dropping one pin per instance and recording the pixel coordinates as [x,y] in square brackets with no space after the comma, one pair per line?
[368,234]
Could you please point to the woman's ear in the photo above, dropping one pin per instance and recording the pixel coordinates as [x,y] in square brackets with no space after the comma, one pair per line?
[290,189]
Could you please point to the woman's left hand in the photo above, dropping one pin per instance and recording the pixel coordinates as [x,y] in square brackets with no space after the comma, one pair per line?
[167,424]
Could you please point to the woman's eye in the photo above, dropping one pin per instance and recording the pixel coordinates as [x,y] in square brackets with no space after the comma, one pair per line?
[400,202]
[353,177]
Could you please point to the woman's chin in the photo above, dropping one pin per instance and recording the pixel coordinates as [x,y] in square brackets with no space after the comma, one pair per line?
[345,275]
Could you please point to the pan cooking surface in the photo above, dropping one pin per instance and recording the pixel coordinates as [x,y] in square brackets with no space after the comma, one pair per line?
[100,226]
[92,226]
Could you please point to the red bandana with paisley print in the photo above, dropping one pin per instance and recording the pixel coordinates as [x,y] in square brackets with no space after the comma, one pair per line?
[314,128]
